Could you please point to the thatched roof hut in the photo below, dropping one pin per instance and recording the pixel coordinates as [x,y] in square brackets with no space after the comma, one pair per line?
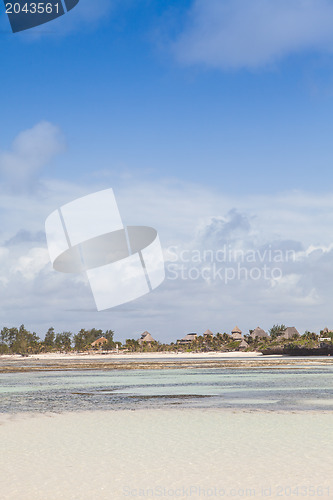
[243,344]
[258,333]
[208,333]
[236,333]
[99,341]
[146,337]
[188,338]
[289,333]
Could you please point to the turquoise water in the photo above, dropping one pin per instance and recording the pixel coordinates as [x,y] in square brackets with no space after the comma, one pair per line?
[268,389]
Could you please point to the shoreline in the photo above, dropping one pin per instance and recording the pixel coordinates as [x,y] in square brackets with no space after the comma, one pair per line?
[153,361]
[131,355]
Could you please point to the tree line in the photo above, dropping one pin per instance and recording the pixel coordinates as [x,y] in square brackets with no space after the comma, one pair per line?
[22,341]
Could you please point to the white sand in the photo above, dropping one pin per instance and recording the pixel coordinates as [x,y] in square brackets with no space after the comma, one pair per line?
[140,355]
[166,454]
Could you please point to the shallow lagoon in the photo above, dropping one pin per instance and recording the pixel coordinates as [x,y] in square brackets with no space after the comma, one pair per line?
[290,389]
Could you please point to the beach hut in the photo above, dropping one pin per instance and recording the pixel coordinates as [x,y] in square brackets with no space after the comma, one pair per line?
[208,333]
[188,338]
[98,342]
[289,333]
[258,333]
[146,338]
[243,344]
[236,333]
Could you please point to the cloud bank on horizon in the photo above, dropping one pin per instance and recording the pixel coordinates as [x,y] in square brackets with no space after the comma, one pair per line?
[235,34]
[192,220]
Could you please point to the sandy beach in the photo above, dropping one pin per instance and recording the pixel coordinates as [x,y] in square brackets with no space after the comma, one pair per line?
[166,454]
[135,355]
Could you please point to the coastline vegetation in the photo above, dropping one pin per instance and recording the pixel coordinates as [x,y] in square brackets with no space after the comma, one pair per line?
[21,341]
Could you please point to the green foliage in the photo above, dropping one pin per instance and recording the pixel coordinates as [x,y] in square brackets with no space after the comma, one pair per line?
[49,343]
[4,349]
[19,341]
[310,335]
[110,344]
[80,340]
[276,330]
[63,341]
[84,339]
[231,346]
[132,345]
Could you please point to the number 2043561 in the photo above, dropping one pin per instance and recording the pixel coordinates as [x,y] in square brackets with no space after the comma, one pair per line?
[33,8]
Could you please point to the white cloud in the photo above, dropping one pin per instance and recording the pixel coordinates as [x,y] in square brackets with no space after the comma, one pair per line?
[30,265]
[252,33]
[189,217]
[182,215]
[31,150]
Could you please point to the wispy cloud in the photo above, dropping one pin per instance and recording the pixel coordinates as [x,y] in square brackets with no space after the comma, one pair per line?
[253,33]
[31,150]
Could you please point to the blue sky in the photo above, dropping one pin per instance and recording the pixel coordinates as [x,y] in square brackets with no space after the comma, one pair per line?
[122,98]
[212,106]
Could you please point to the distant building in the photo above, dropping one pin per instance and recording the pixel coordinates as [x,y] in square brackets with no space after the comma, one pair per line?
[236,333]
[289,333]
[258,333]
[188,338]
[208,333]
[243,344]
[98,342]
[146,338]
[323,339]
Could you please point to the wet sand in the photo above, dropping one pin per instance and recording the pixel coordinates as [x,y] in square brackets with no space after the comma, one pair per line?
[140,361]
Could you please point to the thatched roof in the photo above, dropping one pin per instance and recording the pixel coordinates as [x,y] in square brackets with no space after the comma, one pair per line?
[208,333]
[146,337]
[189,337]
[236,333]
[99,341]
[258,332]
[243,344]
[289,333]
